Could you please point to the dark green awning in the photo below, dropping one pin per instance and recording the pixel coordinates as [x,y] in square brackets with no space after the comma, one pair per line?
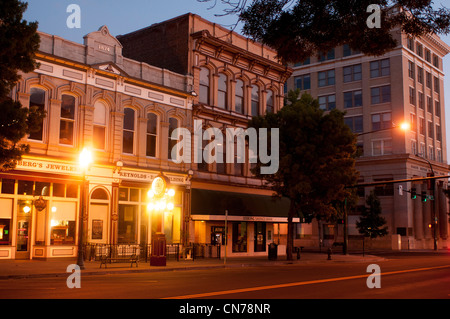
[208,202]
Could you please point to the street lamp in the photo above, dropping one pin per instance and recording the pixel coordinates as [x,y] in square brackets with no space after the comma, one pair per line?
[84,160]
[433,205]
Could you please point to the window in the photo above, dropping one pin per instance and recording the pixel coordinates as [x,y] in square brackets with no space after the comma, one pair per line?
[421,100]
[239,237]
[100,120]
[326,78]
[411,68]
[381,121]
[436,84]
[67,120]
[431,153]
[437,108]
[420,75]
[381,147]
[439,155]
[429,104]
[326,56]
[380,94]
[37,101]
[255,100]
[152,134]
[422,150]
[352,73]
[428,80]
[419,49]
[412,96]
[269,102]
[355,123]
[128,131]
[379,68]
[422,126]
[239,98]
[430,129]
[327,102]
[305,62]
[435,60]
[223,91]
[347,51]
[62,222]
[413,147]
[413,119]
[173,124]
[438,133]
[410,43]
[302,82]
[428,55]
[204,86]
[352,99]
[384,190]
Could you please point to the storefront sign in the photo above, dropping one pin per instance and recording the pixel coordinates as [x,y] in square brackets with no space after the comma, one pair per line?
[159,186]
[47,167]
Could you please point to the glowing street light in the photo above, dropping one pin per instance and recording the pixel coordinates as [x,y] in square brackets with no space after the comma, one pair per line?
[405,126]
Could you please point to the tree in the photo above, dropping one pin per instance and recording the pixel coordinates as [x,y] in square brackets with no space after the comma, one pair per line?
[298,29]
[316,159]
[371,222]
[18,42]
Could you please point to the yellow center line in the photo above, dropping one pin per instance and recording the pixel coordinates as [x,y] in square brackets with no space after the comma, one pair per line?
[300,283]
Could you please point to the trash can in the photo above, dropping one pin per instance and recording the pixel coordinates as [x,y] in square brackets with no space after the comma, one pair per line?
[158,253]
[273,251]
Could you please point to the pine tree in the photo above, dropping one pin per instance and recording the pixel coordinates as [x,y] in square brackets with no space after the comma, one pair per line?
[371,222]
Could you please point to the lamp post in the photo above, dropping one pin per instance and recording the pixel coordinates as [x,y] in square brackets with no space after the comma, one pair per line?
[85,159]
[433,205]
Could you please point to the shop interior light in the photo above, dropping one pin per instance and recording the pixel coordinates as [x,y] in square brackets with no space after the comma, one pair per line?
[171,192]
[26,209]
[170,206]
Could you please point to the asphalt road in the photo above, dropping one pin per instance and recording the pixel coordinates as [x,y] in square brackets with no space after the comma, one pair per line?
[424,276]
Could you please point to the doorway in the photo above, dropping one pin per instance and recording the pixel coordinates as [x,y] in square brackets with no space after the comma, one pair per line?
[23,240]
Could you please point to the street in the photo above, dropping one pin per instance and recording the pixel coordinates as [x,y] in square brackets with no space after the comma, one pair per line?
[403,276]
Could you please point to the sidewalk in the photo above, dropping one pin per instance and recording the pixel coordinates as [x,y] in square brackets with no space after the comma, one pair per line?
[17,269]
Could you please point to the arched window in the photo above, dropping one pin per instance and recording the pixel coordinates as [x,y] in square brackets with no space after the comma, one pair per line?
[255,100]
[37,101]
[173,124]
[100,123]
[269,102]
[67,120]
[128,131]
[99,193]
[152,134]
[223,91]
[204,85]
[239,97]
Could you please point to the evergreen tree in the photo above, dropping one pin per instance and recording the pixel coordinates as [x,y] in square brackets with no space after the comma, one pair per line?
[371,222]
[18,44]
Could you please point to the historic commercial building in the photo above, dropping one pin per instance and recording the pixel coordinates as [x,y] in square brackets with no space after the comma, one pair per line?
[120,108]
[234,79]
[123,98]
[378,94]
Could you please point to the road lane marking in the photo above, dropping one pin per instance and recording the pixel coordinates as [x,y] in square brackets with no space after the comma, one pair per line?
[300,283]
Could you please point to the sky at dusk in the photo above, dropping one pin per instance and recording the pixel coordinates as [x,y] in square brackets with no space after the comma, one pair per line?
[126,16]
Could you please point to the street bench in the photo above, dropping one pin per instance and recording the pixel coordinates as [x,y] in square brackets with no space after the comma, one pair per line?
[104,260]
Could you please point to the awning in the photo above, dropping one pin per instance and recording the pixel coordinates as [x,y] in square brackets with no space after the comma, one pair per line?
[211,205]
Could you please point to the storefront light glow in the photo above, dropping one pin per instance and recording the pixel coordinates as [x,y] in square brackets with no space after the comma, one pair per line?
[26,209]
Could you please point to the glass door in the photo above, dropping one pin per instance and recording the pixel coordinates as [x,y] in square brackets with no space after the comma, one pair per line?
[23,229]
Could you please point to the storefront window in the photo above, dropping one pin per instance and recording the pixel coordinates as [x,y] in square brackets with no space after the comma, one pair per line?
[5,225]
[25,187]
[8,186]
[239,237]
[127,224]
[62,223]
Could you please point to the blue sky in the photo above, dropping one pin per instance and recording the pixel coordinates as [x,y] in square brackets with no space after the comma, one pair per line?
[122,16]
